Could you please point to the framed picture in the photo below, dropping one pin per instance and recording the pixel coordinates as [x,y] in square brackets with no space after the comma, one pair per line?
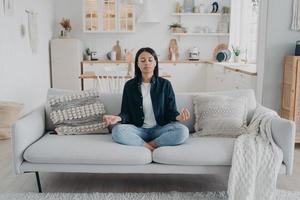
[8,6]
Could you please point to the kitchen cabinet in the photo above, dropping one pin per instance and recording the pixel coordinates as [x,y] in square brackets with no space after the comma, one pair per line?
[244,81]
[126,18]
[185,76]
[219,78]
[290,96]
[214,78]
[108,16]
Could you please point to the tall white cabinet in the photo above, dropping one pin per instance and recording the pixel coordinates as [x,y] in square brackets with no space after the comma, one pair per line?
[66,56]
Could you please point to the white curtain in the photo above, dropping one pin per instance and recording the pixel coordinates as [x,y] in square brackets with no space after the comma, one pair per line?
[235,23]
[296,16]
[243,28]
[111,79]
[110,84]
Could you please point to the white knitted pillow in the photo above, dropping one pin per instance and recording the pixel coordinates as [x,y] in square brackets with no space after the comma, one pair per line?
[219,115]
[77,113]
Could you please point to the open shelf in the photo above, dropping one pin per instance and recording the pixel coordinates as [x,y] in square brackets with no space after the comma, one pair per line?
[200,34]
[200,14]
[109,31]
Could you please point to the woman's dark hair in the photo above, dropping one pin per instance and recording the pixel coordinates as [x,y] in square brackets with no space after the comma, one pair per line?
[137,70]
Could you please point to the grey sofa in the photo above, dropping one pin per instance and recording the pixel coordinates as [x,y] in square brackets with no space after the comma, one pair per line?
[35,150]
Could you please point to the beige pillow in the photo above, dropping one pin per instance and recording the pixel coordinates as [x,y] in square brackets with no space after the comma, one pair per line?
[218,115]
[9,112]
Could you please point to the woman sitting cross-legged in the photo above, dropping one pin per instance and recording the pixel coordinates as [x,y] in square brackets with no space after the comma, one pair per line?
[149,115]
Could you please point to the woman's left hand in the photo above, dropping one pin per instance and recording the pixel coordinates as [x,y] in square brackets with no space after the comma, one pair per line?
[184,115]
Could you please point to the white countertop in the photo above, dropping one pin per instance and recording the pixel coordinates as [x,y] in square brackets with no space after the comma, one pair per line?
[239,67]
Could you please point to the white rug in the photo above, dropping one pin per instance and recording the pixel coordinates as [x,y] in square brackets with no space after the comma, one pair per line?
[281,195]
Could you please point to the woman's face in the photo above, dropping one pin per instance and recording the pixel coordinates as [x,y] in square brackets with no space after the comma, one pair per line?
[146,62]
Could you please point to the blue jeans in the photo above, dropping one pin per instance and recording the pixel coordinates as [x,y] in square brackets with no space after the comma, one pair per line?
[170,134]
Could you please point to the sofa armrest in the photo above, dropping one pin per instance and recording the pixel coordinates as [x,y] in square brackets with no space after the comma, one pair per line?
[26,131]
[283,132]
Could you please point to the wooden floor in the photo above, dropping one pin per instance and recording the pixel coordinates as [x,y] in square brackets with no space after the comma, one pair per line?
[78,182]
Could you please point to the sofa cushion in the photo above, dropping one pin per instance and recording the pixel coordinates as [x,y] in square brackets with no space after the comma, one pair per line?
[197,151]
[220,115]
[112,104]
[77,113]
[85,149]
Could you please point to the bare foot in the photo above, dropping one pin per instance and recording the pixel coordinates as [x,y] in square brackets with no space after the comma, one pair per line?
[152,143]
[149,146]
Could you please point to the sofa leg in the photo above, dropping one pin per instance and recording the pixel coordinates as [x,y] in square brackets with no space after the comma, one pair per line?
[38,182]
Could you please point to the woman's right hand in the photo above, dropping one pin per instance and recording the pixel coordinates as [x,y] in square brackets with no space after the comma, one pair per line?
[111,119]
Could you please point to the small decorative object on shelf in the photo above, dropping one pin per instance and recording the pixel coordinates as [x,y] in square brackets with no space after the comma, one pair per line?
[236,51]
[173,50]
[297,49]
[66,24]
[130,59]
[94,55]
[189,5]
[193,54]
[226,10]
[196,9]
[88,54]
[255,3]
[112,55]
[128,55]
[177,28]
[178,8]
[202,8]
[117,48]
[215,7]
[223,55]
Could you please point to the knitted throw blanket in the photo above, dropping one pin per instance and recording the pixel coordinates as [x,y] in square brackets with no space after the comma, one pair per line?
[256,160]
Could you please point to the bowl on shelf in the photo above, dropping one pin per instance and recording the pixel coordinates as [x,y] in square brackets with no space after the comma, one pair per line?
[223,55]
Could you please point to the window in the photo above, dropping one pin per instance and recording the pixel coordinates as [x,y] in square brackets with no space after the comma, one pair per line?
[243,28]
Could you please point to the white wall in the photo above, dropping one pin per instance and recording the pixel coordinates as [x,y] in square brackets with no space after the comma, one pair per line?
[156,36]
[24,76]
[280,42]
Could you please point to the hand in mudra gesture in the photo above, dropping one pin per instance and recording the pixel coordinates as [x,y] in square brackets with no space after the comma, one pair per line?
[184,115]
[111,119]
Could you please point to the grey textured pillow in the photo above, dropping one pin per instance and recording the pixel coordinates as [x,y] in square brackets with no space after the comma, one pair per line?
[77,113]
[218,115]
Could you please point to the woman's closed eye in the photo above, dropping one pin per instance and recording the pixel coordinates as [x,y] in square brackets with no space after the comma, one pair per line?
[150,60]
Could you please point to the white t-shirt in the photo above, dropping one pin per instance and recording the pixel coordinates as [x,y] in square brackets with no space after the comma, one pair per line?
[149,118]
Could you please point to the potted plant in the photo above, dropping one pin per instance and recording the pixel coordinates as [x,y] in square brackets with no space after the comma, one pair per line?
[237,52]
[176,28]
[66,24]
[88,54]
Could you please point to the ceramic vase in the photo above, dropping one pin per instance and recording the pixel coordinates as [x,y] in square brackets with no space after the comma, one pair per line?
[237,59]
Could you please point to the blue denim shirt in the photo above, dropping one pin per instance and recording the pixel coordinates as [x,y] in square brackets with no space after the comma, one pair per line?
[162,97]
